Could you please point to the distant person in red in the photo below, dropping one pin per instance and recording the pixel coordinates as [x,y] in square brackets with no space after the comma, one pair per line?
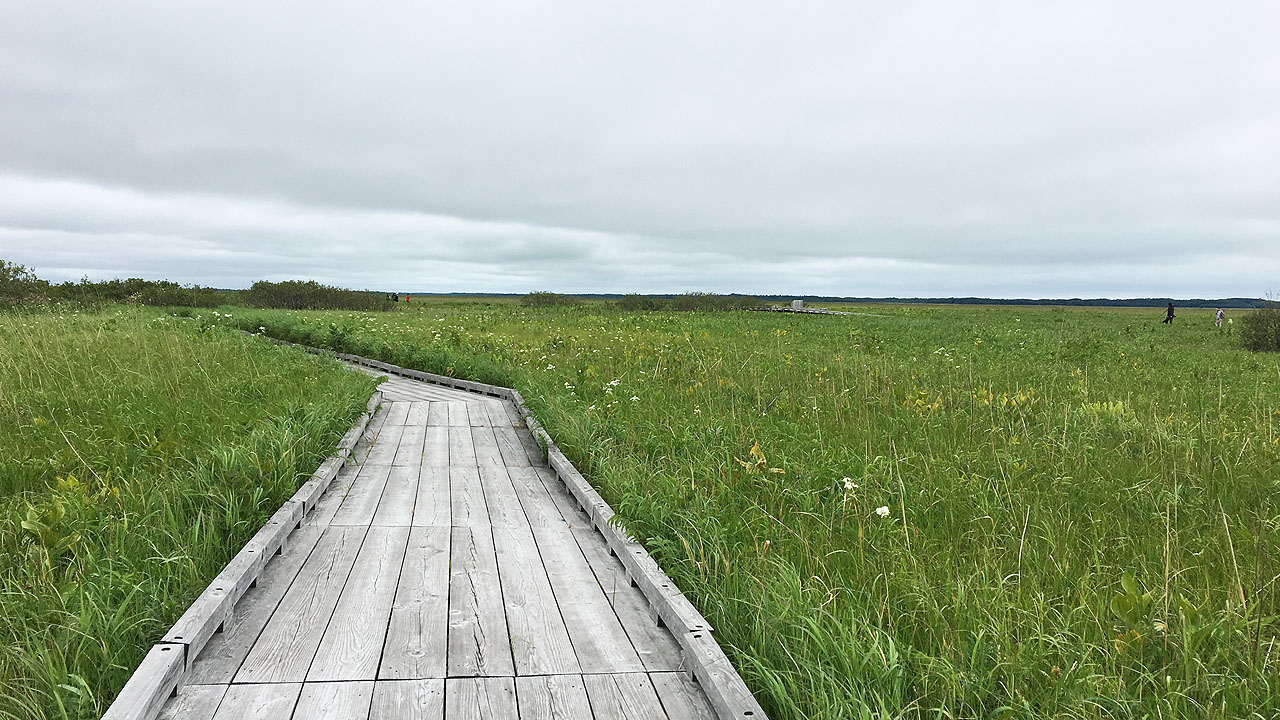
[407,296]
[1168,318]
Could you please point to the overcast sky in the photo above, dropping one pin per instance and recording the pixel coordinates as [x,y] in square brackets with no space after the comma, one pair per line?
[1008,149]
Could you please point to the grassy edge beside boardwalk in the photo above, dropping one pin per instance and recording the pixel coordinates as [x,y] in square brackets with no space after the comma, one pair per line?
[928,512]
[140,452]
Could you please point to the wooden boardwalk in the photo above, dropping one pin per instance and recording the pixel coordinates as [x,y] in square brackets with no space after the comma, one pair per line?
[445,574]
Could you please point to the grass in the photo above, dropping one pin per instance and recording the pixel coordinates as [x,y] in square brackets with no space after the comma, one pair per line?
[141,452]
[920,512]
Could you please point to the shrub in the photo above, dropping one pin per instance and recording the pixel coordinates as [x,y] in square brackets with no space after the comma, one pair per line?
[711,302]
[1260,329]
[633,302]
[19,283]
[311,295]
[542,298]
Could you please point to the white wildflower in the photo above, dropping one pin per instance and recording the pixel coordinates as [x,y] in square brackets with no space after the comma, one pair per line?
[850,485]
[883,511]
[634,398]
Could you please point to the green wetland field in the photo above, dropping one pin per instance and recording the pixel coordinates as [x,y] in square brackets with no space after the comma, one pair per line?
[916,512]
[910,512]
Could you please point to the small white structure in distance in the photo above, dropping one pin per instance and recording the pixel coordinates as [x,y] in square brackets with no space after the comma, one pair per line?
[797,304]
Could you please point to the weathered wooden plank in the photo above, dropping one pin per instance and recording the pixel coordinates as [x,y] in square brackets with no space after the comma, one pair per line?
[480,698]
[568,506]
[486,446]
[335,701]
[435,451]
[224,652]
[500,497]
[538,506]
[479,644]
[362,498]
[553,697]
[477,413]
[623,697]
[537,454]
[724,688]
[332,498]
[656,647]
[395,507]
[352,643]
[384,447]
[513,453]
[398,412]
[438,414]
[540,642]
[433,506]
[193,702]
[417,636]
[458,415]
[417,416]
[409,451]
[598,638]
[258,702]
[466,497]
[681,697]
[150,685]
[408,700]
[500,415]
[288,643]
[462,450]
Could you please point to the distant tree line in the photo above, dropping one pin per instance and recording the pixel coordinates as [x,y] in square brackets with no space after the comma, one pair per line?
[19,285]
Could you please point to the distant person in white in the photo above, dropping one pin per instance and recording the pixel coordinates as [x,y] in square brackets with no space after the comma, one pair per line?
[1218,319]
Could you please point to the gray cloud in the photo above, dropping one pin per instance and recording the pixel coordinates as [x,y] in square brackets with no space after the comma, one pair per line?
[920,149]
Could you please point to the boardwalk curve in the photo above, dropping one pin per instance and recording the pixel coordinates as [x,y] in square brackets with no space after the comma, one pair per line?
[448,563]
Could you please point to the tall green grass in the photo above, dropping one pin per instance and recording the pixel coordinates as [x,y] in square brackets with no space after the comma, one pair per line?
[140,453]
[918,512]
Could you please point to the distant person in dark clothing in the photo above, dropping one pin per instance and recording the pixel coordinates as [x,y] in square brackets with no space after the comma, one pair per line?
[1168,318]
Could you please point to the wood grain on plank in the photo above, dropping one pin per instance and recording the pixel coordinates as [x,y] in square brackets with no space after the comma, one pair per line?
[513,453]
[335,701]
[478,413]
[258,701]
[623,697]
[598,638]
[331,500]
[361,501]
[486,446]
[500,497]
[398,412]
[383,451]
[479,644]
[435,450]
[540,642]
[657,649]
[417,416]
[408,700]
[409,451]
[569,507]
[466,497]
[681,697]
[284,650]
[480,698]
[438,414]
[193,702]
[222,656]
[458,415]
[553,697]
[399,495]
[352,643]
[417,636]
[462,450]
[499,415]
[432,506]
[538,506]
